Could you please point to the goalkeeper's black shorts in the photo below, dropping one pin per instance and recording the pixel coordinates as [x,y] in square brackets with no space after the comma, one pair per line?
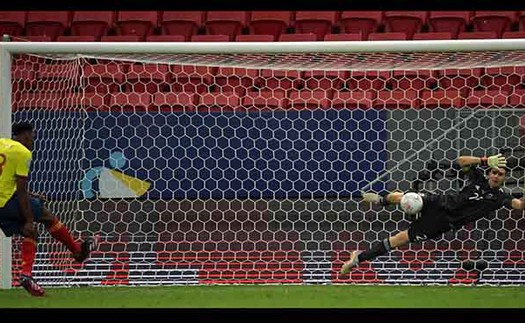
[432,223]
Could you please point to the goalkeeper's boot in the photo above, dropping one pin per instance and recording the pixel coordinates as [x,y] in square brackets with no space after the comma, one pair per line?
[29,283]
[88,246]
[353,262]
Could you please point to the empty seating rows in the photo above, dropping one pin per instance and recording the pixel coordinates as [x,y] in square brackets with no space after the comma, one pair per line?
[162,87]
[259,25]
[126,77]
[266,100]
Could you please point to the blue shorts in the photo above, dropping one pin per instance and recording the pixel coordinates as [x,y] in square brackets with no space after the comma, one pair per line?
[11,219]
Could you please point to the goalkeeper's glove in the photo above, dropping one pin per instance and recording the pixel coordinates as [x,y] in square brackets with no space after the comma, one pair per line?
[373,198]
[495,161]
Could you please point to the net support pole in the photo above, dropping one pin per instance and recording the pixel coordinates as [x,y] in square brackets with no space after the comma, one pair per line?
[5,131]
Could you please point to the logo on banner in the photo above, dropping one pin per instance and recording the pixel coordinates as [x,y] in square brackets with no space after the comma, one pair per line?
[112,182]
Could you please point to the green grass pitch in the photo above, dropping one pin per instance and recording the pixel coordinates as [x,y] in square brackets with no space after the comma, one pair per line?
[270,296]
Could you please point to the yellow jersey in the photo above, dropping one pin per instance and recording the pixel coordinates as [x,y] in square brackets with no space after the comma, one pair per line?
[15,160]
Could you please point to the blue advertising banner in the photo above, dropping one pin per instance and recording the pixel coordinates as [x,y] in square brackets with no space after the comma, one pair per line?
[278,154]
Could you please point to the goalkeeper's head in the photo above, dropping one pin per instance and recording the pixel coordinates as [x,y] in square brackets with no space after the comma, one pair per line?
[496,176]
[24,133]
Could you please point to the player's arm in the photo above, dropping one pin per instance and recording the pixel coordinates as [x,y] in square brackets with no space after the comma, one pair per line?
[23,161]
[386,199]
[495,161]
[23,198]
[518,204]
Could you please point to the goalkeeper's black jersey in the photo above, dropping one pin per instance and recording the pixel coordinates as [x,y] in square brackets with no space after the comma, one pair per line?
[475,200]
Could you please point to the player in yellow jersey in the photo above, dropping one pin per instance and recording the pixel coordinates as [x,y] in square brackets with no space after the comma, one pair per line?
[19,211]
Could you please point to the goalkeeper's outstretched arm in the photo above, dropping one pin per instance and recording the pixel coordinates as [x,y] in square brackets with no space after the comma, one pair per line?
[495,161]
[387,199]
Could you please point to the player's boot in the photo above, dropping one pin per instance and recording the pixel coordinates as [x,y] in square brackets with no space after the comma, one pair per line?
[88,246]
[354,260]
[29,283]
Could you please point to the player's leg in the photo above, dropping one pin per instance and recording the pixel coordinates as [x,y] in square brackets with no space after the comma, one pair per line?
[378,248]
[432,223]
[59,231]
[11,223]
[79,251]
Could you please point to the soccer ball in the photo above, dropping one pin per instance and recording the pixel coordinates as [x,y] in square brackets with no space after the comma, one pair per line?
[411,203]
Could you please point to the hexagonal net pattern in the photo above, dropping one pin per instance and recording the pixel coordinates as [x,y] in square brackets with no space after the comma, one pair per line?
[204,170]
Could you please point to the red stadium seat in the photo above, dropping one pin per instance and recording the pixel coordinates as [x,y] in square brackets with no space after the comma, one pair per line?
[451,98]
[413,79]
[58,70]
[478,35]
[90,101]
[12,22]
[44,100]
[397,99]
[185,23]
[165,38]
[229,23]
[210,38]
[487,99]
[32,38]
[192,79]
[521,20]
[47,23]
[231,79]
[140,23]
[23,76]
[343,37]
[409,22]
[432,36]
[362,81]
[307,99]
[494,21]
[265,100]
[387,36]
[363,22]
[513,34]
[517,100]
[319,23]
[151,78]
[130,102]
[460,79]
[272,23]
[123,38]
[174,101]
[453,22]
[279,79]
[297,37]
[92,23]
[104,78]
[503,78]
[218,102]
[76,38]
[352,99]
[254,38]
[319,79]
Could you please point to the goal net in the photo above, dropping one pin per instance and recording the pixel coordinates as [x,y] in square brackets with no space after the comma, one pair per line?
[246,167]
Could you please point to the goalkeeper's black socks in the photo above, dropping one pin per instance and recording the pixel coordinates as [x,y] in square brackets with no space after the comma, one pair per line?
[378,248]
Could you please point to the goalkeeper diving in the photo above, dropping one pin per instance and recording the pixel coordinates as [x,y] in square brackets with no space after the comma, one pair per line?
[481,195]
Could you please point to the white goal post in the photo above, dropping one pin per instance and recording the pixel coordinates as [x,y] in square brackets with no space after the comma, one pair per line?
[298,56]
